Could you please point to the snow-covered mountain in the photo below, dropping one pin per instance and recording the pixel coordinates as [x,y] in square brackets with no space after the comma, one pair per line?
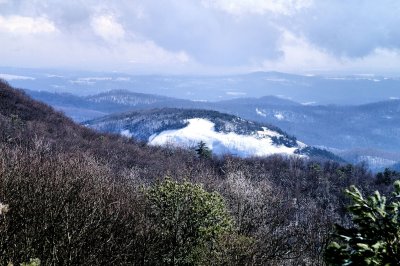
[127,98]
[223,133]
[364,133]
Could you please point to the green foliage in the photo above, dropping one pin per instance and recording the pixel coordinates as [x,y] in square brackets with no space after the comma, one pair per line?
[375,238]
[202,150]
[189,222]
[32,262]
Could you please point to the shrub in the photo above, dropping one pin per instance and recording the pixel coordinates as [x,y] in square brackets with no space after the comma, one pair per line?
[188,222]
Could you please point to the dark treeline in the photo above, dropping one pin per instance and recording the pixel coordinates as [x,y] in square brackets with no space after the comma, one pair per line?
[77,197]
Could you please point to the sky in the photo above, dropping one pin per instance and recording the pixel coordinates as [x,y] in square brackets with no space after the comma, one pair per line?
[202,36]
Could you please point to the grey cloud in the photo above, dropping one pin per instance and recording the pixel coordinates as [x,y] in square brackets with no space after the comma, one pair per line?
[213,37]
[207,35]
[210,36]
[351,28]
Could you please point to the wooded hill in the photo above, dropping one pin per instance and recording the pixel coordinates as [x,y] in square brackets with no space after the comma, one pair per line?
[77,197]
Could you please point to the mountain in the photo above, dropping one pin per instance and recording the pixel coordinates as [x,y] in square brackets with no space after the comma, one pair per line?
[82,108]
[361,133]
[396,167]
[126,98]
[223,133]
[320,89]
[372,125]
[370,132]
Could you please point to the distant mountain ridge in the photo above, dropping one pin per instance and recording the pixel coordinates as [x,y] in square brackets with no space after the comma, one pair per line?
[321,89]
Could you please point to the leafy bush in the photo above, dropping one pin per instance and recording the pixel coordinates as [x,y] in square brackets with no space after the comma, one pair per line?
[188,222]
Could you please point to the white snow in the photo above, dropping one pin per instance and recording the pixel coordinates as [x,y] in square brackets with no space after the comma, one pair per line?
[126,133]
[308,103]
[276,79]
[123,79]
[236,93]
[301,144]
[261,113]
[279,116]
[200,129]
[376,162]
[89,80]
[268,132]
[10,77]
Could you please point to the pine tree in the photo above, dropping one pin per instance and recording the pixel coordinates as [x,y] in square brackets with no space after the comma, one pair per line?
[375,237]
[202,150]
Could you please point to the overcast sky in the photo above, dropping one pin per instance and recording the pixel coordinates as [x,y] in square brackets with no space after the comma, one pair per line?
[202,36]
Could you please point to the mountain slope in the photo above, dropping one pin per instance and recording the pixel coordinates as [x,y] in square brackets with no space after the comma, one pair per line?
[98,105]
[223,133]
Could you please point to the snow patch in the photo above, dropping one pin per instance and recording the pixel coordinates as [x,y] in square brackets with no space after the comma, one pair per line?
[10,77]
[126,79]
[261,113]
[276,79]
[200,129]
[279,116]
[54,76]
[89,80]
[126,133]
[301,145]
[267,132]
[308,103]
[235,93]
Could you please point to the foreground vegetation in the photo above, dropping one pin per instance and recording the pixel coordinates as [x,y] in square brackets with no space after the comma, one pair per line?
[76,197]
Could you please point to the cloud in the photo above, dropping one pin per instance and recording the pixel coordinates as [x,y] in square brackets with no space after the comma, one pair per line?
[26,25]
[107,28]
[239,7]
[201,35]
[351,28]
[300,55]
[208,35]
[63,50]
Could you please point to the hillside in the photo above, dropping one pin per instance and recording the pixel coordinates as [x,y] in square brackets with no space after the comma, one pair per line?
[71,196]
[223,133]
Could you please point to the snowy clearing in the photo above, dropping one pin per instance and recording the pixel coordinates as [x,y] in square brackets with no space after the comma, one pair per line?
[200,129]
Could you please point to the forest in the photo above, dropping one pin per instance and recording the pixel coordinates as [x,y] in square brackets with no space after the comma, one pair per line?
[72,196]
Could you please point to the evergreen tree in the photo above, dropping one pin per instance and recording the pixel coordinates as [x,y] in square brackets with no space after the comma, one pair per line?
[375,237]
[202,150]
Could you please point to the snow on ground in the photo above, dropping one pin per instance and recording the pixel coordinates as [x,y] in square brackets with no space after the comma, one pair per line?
[279,116]
[268,132]
[200,129]
[126,133]
[10,77]
[261,113]
[376,161]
